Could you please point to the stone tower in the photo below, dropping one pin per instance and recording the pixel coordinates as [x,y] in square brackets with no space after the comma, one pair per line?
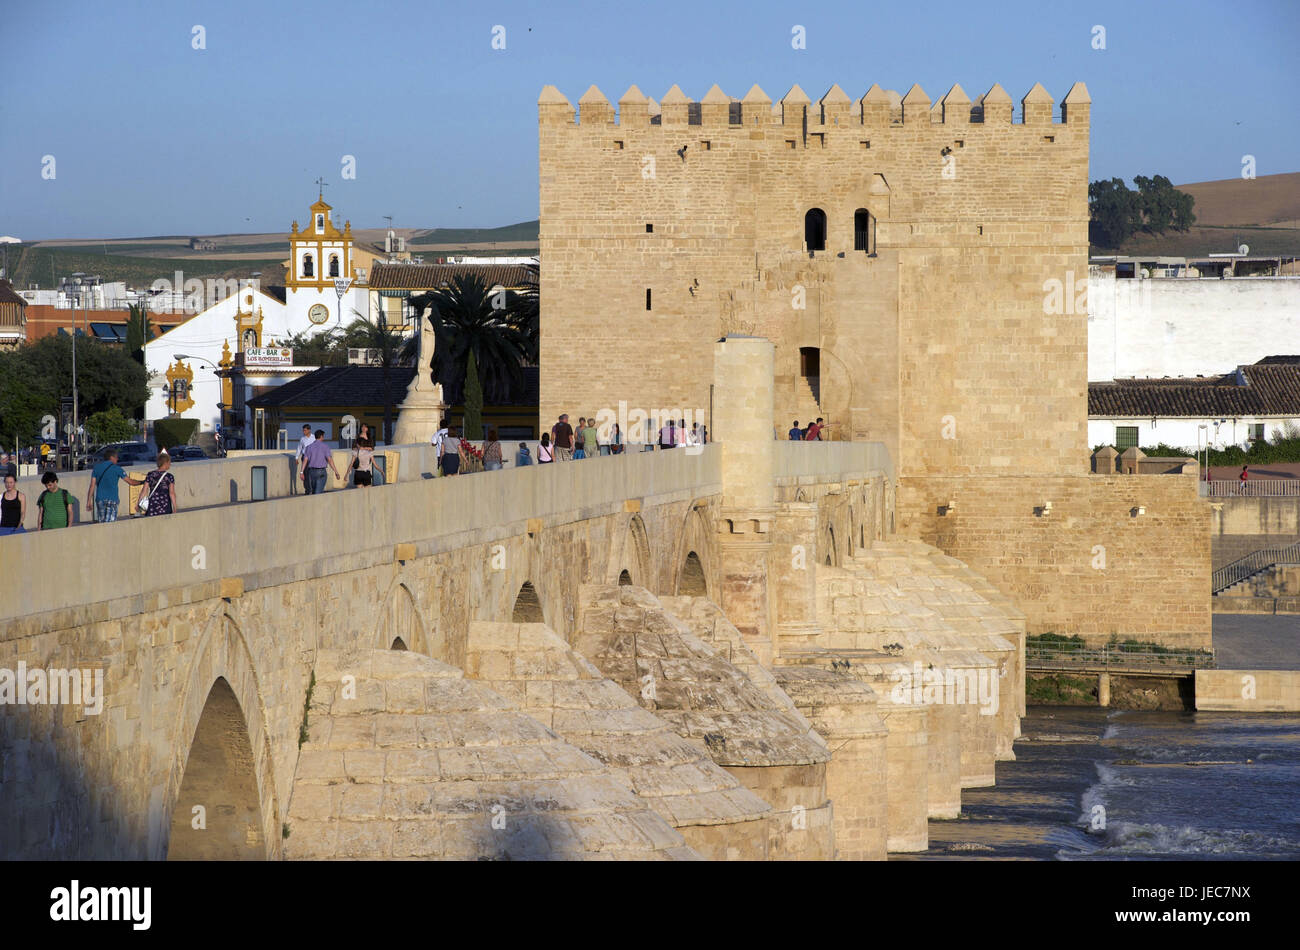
[896,252]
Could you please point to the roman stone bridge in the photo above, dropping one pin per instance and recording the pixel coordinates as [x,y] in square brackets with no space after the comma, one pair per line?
[724,653]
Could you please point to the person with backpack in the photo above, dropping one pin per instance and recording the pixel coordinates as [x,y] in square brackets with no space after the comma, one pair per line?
[523,456]
[102,495]
[54,504]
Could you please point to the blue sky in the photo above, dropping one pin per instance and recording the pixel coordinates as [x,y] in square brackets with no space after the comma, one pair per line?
[151,136]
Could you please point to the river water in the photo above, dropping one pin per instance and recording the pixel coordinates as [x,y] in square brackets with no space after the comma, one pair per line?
[1102,784]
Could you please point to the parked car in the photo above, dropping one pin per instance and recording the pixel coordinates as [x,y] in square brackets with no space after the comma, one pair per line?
[131,453]
[187,453]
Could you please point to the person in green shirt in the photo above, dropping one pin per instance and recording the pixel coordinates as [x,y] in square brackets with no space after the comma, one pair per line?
[54,504]
[589,438]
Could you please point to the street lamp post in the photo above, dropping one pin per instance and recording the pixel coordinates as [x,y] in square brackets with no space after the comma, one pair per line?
[73,434]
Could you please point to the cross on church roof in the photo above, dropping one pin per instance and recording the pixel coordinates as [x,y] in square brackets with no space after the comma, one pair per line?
[320,186]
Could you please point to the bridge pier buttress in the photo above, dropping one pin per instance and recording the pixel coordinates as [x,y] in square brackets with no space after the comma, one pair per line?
[742,420]
[795,555]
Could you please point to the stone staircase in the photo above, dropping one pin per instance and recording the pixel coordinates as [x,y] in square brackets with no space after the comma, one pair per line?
[1239,578]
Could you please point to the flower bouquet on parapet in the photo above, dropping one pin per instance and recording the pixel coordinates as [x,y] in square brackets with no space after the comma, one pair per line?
[473,457]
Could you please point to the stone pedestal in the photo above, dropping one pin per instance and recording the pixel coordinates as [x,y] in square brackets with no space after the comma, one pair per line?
[421,413]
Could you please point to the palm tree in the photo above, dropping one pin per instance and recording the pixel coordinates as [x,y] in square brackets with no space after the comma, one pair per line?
[499,328]
[394,350]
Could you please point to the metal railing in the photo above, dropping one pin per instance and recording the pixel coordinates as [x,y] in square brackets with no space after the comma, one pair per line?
[1114,656]
[1251,565]
[1253,488]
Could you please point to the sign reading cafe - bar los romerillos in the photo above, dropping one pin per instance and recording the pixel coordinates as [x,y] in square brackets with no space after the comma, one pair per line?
[268,356]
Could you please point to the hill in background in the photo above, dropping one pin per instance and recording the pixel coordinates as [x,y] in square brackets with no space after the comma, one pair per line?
[141,261]
[1262,213]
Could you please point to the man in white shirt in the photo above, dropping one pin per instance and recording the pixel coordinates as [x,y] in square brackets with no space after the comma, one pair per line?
[439,438]
[306,440]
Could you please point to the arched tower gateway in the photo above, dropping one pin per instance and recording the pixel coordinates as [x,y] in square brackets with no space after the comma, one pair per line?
[319,256]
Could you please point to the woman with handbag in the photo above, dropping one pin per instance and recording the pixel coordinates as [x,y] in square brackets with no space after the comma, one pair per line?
[363,458]
[161,497]
[545,451]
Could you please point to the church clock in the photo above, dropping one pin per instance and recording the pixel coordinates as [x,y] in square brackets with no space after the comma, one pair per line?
[318,313]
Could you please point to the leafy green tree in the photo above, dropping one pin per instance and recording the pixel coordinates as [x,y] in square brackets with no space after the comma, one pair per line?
[1156,206]
[1115,213]
[499,328]
[473,401]
[35,376]
[110,426]
[24,398]
[318,349]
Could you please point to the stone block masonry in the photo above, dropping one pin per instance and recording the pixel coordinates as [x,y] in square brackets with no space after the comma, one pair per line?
[896,257]
[1115,554]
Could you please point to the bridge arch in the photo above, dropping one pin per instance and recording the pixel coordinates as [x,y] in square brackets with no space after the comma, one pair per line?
[222,756]
[527,606]
[828,545]
[694,577]
[401,619]
[630,555]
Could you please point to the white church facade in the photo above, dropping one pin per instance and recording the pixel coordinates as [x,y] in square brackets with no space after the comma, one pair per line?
[246,330]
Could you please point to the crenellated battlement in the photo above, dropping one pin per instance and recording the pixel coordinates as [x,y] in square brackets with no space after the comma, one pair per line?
[877,108]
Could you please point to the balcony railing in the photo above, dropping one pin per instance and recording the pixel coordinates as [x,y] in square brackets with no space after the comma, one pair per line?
[1114,656]
[1252,564]
[1253,487]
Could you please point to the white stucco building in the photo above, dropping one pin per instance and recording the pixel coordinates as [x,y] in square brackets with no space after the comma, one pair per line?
[1187,325]
[243,329]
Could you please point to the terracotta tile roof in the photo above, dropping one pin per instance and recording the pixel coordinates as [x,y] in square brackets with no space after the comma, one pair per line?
[7,294]
[364,386]
[421,277]
[1270,387]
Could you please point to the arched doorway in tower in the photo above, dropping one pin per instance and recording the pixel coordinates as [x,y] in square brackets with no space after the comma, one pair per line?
[864,231]
[398,644]
[691,581]
[218,816]
[814,230]
[625,579]
[810,371]
[831,556]
[528,606]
